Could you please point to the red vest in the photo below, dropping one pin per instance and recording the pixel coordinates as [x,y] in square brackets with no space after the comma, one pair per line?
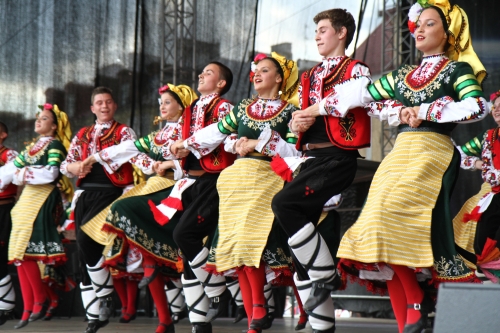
[353,131]
[124,175]
[218,159]
[11,190]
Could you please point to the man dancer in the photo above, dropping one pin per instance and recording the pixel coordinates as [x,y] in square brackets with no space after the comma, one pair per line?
[97,189]
[332,139]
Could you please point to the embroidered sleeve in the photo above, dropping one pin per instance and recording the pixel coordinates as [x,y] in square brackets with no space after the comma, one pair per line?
[127,134]
[230,143]
[271,143]
[176,135]
[489,173]
[7,173]
[113,157]
[345,96]
[74,155]
[11,155]
[470,152]
[385,110]
[204,141]
[42,174]
[471,106]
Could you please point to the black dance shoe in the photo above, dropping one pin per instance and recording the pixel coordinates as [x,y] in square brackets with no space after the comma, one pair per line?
[218,305]
[202,328]
[240,314]
[95,325]
[4,315]
[330,330]
[426,307]
[166,328]
[21,324]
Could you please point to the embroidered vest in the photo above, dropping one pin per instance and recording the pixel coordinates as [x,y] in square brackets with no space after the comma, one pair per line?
[218,159]
[350,132]
[124,175]
[11,190]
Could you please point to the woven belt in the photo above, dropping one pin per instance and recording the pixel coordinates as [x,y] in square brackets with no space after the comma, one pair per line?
[424,129]
[7,201]
[256,156]
[196,173]
[311,146]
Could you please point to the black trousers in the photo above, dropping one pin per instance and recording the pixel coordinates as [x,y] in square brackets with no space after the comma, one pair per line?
[200,216]
[90,203]
[301,200]
[5,228]
[488,226]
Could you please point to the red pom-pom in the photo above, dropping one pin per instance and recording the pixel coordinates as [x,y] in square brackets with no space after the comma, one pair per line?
[280,167]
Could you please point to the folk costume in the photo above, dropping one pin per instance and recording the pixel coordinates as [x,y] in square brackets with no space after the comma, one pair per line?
[329,148]
[131,220]
[97,190]
[242,234]
[198,197]
[406,220]
[35,216]
[8,195]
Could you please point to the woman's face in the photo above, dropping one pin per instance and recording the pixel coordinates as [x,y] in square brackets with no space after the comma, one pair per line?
[430,36]
[266,77]
[170,109]
[45,123]
[495,111]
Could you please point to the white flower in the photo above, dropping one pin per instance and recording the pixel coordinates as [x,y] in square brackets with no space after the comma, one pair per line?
[414,12]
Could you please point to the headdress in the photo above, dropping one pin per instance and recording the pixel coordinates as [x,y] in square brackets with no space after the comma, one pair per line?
[460,48]
[290,84]
[494,96]
[63,131]
[185,93]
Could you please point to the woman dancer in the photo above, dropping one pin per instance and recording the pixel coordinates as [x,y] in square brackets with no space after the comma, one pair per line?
[406,221]
[130,219]
[35,216]
[246,238]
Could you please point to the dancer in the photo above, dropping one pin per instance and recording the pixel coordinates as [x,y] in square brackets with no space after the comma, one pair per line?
[406,220]
[198,196]
[242,236]
[34,235]
[130,218]
[8,195]
[97,189]
[329,143]
[486,213]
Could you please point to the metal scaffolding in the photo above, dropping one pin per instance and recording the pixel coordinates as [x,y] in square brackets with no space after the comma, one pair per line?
[397,49]
[178,55]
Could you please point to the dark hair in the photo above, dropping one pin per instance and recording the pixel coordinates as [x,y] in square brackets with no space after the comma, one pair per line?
[4,128]
[175,96]
[445,24]
[339,18]
[224,74]
[100,90]
[54,116]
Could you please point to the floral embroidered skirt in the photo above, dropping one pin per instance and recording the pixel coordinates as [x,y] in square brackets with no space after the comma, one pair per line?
[133,222]
[406,219]
[246,232]
[44,242]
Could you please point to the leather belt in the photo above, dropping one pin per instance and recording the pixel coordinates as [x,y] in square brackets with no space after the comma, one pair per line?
[196,173]
[311,146]
[7,201]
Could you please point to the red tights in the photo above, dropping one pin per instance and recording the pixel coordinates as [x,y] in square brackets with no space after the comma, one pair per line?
[252,281]
[303,315]
[32,289]
[404,290]
[127,292]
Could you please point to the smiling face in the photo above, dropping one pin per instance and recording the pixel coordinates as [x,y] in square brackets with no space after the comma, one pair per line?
[45,123]
[104,107]
[266,80]
[430,36]
[209,81]
[170,109]
[330,43]
[495,111]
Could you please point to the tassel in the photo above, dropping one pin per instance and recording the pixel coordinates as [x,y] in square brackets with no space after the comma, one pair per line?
[489,252]
[475,215]
[280,167]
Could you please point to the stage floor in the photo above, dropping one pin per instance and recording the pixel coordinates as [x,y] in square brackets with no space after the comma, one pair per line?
[223,325]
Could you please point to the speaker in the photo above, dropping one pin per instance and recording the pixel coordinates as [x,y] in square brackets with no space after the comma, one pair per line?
[467,307]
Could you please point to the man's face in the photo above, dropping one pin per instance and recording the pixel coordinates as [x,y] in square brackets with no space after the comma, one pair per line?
[104,107]
[209,80]
[327,39]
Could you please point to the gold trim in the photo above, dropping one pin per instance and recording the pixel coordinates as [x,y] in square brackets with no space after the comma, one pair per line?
[463,78]
[468,90]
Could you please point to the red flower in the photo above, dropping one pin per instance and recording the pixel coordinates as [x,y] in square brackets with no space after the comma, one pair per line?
[163,89]
[259,57]
[47,106]
[412,26]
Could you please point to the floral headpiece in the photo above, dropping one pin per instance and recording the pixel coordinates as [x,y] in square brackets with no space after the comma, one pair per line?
[494,96]
[289,86]
[460,45]
[63,132]
[185,93]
